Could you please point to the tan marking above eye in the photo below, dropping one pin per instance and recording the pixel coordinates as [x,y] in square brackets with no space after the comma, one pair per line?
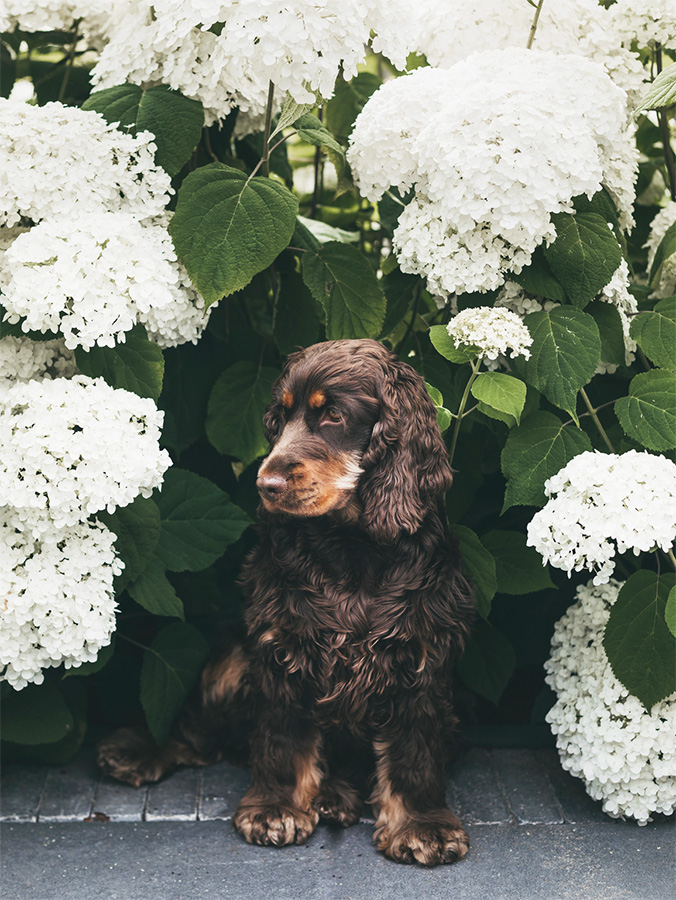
[287,399]
[317,399]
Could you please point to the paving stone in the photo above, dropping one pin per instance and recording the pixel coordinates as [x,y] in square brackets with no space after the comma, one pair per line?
[175,799]
[119,802]
[575,802]
[223,787]
[528,790]
[20,792]
[69,790]
[476,794]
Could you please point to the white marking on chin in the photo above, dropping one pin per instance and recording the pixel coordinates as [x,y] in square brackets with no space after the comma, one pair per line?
[348,481]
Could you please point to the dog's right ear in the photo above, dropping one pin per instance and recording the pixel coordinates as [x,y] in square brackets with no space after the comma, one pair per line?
[273,418]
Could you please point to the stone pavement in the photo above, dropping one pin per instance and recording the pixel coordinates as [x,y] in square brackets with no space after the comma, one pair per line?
[69,834]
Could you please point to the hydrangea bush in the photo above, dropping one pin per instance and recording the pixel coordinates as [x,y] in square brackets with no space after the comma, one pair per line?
[191,191]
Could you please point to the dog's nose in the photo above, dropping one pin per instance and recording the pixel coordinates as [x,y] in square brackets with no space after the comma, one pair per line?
[271,486]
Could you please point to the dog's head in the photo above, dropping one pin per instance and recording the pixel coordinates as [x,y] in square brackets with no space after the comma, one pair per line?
[351,426]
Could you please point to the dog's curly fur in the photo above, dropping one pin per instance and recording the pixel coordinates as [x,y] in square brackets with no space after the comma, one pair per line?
[358,609]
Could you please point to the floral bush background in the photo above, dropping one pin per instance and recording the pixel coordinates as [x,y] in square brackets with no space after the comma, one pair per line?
[191,190]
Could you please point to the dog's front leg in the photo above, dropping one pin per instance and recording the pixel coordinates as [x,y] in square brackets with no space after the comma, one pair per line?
[287,769]
[414,823]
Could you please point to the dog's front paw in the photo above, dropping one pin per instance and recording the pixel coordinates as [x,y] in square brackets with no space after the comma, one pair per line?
[273,823]
[338,802]
[427,840]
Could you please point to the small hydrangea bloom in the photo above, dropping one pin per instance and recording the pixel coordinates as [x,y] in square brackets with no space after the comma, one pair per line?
[58,465]
[602,504]
[493,332]
[22,359]
[625,755]
[58,598]
[648,22]
[93,16]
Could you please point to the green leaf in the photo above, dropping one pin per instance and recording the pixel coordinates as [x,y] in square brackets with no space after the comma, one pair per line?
[171,667]
[342,280]
[503,393]
[325,232]
[444,417]
[295,323]
[175,120]
[584,256]
[665,250]
[518,568]
[662,92]
[236,406]
[670,611]
[228,227]
[565,352]
[312,131]
[348,101]
[488,662]
[533,452]
[609,324]
[648,414]
[137,530]
[399,289]
[602,203]
[655,333]
[153,591]
[37,714]
[639,646]
[90,668]
[480,567]
[136,364]
[290,111]
[444,344]
[199,521]
[537,278]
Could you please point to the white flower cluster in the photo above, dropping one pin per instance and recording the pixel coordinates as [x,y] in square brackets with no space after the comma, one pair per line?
[55,160]
[59,604]
[95,280]
[57,465]
[22,360]
[225,52]
[449,32]
[664,219]
[625,756]
[648,22]
[93,16]
[492,331]
[602,504]
[493,146]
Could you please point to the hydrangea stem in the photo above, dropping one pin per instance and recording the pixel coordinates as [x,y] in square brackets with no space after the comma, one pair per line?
[534,26]
[70,61]
[266,134]
[672,558]
[596,420]
[461,410]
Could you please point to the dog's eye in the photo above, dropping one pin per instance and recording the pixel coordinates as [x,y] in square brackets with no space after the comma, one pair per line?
[331,416]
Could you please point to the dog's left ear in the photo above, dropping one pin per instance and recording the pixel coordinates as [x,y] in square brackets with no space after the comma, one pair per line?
[406,463]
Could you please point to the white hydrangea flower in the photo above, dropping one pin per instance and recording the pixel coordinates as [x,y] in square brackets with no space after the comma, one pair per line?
[73,447]
[94,281]
[58,598]
[487,174]
[57,15]
[664,219]
[648,22]
[492,331]
[22,359]
[55,159]
[450,32]
[602,504]
[225,52]
[625,756]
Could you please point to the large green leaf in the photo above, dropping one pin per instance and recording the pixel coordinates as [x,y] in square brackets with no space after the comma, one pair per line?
[565,352]
[640,648]
[343,281]
[137,530]
[533,452]
[153,591]
[175,120]
[488,662]
[296,323]
[38,714]
[228,227]
[135,364]
[171,667]
[501,392]
[199,521]
[662,92]
[655,333]
[480,567]
[236,406]
[609,324]
[537,278]
[518,568]
[584,256]
[670,611]
[648,413]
